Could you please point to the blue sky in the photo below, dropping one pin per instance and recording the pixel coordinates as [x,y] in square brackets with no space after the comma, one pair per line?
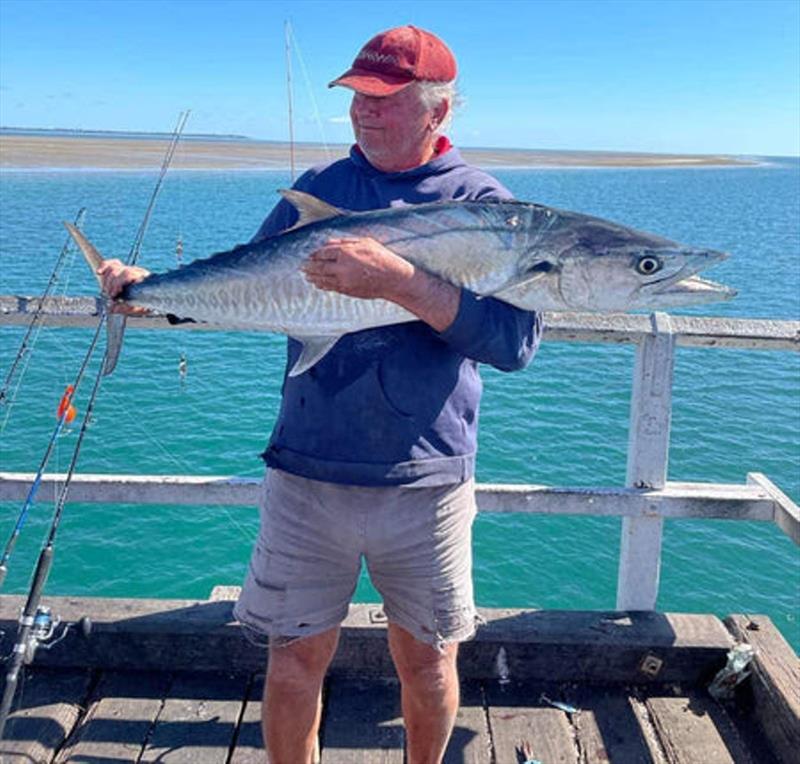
[683,76]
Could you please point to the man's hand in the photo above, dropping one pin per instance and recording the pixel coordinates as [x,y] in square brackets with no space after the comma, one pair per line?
[365,268]
[359,268]
[115,276]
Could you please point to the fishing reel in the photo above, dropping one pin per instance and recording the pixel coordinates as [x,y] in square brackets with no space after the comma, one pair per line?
[43,627]
[42,632]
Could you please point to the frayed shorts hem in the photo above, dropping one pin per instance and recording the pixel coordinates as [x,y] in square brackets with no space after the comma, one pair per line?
[261,635]
[436,639]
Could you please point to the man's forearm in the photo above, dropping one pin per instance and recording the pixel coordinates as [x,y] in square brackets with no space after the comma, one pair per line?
[429,298]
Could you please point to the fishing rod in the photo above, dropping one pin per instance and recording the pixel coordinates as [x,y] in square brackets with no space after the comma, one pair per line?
[165,163]
[35,319]
[63,415]
[287,33]
[117,321]
[36,623]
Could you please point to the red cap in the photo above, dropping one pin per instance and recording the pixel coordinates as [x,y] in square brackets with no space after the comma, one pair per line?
[392,60]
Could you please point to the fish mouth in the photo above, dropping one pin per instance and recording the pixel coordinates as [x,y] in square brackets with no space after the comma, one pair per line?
[687,288]
[694,289]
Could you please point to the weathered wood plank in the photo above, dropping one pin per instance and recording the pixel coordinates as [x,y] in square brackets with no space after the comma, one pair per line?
[177,490]
[609,728]
[46,708]
[598,647]
[186,635]
[648,452]
[249,740]
[775,683]
[675,500]
[362,722]
[198,720]
[648,731]
[120,716]
[787,513]
[694,729]
[522,724]
[470,742]
[691,331]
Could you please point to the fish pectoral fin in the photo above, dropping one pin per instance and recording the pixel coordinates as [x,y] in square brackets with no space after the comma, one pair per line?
[115,329]
[314,348]
[538,271]
[309,207]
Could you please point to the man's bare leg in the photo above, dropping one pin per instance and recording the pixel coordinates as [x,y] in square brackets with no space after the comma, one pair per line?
[291,709]
[429,694]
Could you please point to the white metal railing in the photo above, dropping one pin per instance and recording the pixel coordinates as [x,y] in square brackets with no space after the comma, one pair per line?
[646,501]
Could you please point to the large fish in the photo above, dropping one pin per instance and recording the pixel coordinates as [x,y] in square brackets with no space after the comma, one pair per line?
[531,256]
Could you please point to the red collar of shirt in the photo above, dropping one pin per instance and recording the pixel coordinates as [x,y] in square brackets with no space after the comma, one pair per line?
[442,145]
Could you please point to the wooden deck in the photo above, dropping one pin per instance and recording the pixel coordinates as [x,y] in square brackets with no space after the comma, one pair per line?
[575,688]
[214,719]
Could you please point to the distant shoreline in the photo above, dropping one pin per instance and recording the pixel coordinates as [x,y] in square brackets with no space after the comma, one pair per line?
[90,150]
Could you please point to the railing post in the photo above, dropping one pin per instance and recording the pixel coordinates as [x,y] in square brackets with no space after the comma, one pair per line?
[648,455]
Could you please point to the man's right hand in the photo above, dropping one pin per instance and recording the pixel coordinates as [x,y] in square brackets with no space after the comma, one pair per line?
[115,276]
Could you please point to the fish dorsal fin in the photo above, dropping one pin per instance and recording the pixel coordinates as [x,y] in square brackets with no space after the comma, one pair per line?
[309,207]
[314,348]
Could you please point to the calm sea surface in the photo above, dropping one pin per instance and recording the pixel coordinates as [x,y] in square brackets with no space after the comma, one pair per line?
[563,421]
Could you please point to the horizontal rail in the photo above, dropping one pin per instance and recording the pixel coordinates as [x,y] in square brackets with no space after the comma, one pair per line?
[692,331]
[752,501]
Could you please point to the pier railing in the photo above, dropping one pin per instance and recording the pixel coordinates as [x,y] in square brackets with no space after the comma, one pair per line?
[644,503]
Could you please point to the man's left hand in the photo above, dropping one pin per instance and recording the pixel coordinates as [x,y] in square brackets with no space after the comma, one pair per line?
[359,267]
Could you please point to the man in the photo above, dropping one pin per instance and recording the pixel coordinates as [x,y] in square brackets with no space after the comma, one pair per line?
[373,451]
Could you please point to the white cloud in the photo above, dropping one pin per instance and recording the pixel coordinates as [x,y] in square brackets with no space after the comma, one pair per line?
[343,120]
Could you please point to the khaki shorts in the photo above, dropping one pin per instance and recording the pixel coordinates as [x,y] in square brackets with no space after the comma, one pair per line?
[416,542]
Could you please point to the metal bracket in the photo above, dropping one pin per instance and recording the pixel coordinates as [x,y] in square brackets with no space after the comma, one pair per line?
[651,665]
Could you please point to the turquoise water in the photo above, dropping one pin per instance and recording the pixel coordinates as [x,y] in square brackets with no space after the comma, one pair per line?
[563,421]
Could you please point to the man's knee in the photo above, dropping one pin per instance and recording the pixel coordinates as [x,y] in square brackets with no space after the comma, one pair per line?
[421,665]
[298,663]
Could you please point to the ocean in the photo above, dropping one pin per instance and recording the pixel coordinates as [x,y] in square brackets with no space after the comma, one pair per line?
[561,422]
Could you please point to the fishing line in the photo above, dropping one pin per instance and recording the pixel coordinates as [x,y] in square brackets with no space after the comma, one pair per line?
[183,466]
[134,254]
[176,135]
[183,362]
[35,623]
[309,89]
[31,335]
[28,503]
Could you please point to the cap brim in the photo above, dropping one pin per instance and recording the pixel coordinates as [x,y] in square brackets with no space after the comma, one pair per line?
[370,83]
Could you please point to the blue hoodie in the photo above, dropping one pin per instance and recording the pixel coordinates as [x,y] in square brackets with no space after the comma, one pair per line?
[396,405]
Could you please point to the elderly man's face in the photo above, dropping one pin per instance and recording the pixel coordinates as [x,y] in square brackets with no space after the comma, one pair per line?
[395,132]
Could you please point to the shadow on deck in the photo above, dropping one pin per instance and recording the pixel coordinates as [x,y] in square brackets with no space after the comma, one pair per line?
[175,681]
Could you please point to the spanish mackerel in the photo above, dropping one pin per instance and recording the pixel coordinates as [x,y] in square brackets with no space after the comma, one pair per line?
[529,255]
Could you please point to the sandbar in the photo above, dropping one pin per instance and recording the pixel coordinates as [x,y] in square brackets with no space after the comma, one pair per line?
[42,152]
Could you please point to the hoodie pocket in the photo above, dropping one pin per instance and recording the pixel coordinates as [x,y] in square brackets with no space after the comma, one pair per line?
[398,391]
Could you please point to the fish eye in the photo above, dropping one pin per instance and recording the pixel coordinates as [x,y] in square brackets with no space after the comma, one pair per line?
[648,265]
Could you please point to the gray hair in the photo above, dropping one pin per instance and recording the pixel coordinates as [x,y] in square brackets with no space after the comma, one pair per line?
[433,93]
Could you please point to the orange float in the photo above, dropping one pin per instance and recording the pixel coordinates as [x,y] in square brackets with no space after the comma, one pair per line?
[65,408]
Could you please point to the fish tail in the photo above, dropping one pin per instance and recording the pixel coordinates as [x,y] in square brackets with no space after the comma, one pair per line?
[115,322]
[92,256]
